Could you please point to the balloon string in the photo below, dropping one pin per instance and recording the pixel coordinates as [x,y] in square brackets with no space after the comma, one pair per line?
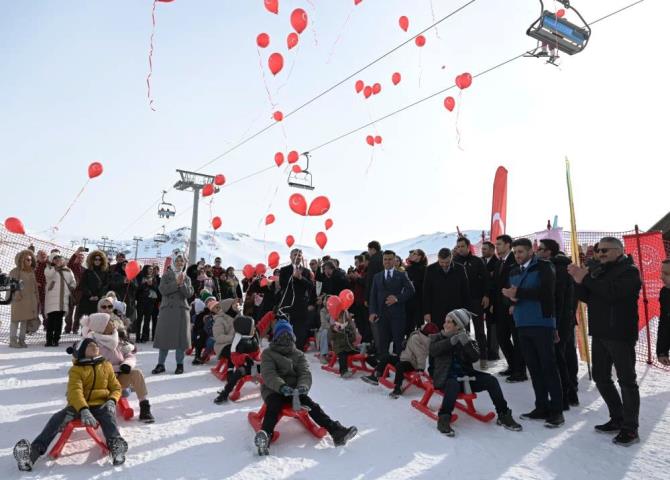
[458,114]
[432,12]
[151,53]
[339,35]
[265,82]
[372,157]
[71,205]
[290,72]
[302,229]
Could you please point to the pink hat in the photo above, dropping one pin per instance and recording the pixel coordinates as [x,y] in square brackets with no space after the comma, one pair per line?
[96,322]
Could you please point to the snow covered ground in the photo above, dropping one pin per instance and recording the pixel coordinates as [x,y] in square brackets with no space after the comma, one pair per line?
[194,438]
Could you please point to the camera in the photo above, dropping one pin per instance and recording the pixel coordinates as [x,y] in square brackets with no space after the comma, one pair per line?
[8,284]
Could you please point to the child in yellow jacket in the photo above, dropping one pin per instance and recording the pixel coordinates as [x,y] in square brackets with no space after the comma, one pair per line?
[92,393]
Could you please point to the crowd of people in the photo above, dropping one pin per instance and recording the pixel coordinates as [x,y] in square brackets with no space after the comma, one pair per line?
[449,319]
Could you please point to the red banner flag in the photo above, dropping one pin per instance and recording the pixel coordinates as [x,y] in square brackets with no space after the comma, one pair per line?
[499,208]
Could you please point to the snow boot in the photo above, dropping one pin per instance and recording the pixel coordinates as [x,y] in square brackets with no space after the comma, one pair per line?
[117,449]
[262,442]
[222,397]
[180,369]
[507,420]
[613,426]
[25,455]
[197,361]
[371,379]
[160,368]
[536,414]
[145,412]
[554,420]
[341,435]
[573,398]
[444,425]
[626,438]
[395,393]
[347,374]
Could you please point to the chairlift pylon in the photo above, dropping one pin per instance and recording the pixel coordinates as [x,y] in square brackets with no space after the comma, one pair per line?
[302,179]
[556,34]
[166,209]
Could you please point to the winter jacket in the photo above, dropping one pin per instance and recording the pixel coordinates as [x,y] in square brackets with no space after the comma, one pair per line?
[343,339]
[357,285]
[501,280]
[444,292]
[223,329]
[295,291]
[663,341]
[443,353]
[60,286]
[400,286]
[565,296]
[416,351]
[375,265]
[535,304]
[78,272]
[334,284]
[125,290]
[416,273]
[283,366]
[478,276]
[41,280]
[24,302]
[173,329]
[94,283]
[91,383]
[611,292]
[115,351]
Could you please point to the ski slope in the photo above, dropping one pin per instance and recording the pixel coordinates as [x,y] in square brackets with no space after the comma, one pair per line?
[194,438]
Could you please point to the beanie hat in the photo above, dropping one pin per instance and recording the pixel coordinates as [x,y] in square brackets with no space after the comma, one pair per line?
[430,329]
[96,322]
[243,325]
[282,327]
[54,256]
[78,349]
[461,317]
[119,307]
[205,294]
[176,254]
[198,306]
[211,302]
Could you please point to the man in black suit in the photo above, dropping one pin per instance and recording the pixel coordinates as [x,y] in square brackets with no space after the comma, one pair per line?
[445,288]
[491,262]
[295,282]
[508,338]
[390,291]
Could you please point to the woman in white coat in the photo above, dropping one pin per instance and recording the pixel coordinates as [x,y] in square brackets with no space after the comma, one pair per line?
[60,283]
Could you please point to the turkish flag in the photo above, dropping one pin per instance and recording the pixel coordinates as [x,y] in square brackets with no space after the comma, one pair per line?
[499,208]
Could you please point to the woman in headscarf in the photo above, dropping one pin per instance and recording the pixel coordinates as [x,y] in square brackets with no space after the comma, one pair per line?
[173,330]
[25,302]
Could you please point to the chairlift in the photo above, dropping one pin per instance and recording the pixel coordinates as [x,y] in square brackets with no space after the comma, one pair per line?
[166,209]
[161,237]
[302,179]
[555,33]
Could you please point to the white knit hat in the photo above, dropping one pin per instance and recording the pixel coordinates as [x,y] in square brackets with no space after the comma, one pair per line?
[96,322]
[120,307]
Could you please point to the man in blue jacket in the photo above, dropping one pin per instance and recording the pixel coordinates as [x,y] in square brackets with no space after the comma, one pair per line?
[532,294]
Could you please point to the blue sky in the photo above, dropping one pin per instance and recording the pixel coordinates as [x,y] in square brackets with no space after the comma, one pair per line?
[72,83]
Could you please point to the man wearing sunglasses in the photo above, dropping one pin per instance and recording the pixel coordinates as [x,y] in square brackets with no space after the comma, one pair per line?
[611,289]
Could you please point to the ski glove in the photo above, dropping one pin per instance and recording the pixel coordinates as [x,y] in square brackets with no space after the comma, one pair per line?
[462,337]
[111,406]
[124,368]
[303,389]
[87,418]
[286,390]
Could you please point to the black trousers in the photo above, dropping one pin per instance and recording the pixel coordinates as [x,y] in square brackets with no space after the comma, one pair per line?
[199,340]
[537,345]
[237,375]
[401,368]
[143,323]
[484,382]
[480,327]
[508,339]
[571,360]
[361,319]
[54,326]
[154,320]
[621,355]
[275,402]
[342,360]
[59,419]
[569,387]
[69,316]
[391,329]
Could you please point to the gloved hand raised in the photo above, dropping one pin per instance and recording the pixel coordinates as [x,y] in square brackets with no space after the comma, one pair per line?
[87,418]
[303,389]
[286,390]
[461,337]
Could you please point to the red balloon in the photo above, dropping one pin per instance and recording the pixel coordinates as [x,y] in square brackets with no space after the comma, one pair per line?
[269,219]
[248,271]
[290,241]
[464,80]
[279,116]
[319,206]
[263,40]
[370,140]
[359,86]
[219,179]
[132,269]
[216,223]
[347,298]
[272,6]
[404,22]
[356,2]
[14,225]
[261,269]
[273,260]
[293,156]
[292,40]
[264,282]
[321,240]
[94,169]
[449,103]
[376,88]
[329,224]
[298,204]
[299,20]
[367,91]
[395,78]
[207,190]
[420,41]
[560,13]
[334,305]
[279,158]
[296,169]
[276,63]
[378,139]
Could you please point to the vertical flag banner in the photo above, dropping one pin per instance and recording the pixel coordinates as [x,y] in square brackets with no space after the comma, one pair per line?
[499,207]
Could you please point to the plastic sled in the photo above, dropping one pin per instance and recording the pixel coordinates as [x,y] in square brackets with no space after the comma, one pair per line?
[220,370]
[237,391]
[418,379]
[464,402]
[65,436]
[355,363]
[123,409]
[256,421]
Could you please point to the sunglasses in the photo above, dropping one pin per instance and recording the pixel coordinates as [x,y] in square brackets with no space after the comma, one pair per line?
[107,307]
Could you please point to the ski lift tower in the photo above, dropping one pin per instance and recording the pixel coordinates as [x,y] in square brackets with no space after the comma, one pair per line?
[193,181]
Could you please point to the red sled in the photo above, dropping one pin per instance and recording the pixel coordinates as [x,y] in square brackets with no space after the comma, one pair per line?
[65,436]
[256,421]
[355,363]
[237,391]
[418,379]
[464,403]
[220,370]
[124,410]
[308,343]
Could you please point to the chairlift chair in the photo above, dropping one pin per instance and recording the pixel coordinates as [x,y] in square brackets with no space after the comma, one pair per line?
[558,33]
[302,179]
[161,237]
[166,209]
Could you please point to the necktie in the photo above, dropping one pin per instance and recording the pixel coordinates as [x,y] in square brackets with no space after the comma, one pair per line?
[388,275]
[523,268]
